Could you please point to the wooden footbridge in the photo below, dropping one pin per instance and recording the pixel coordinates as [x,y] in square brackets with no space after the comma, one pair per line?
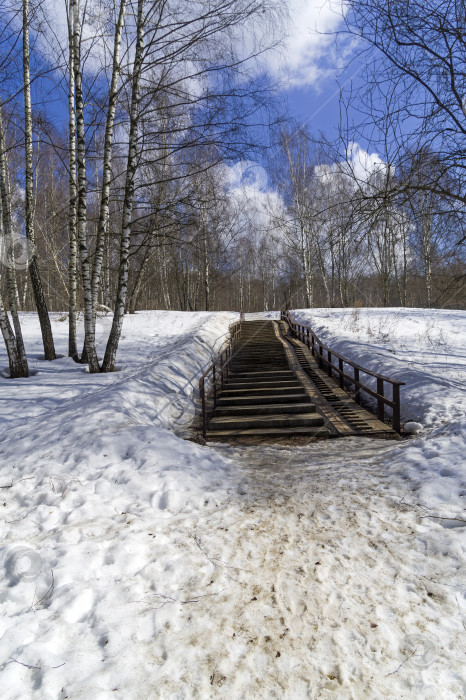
[277,379]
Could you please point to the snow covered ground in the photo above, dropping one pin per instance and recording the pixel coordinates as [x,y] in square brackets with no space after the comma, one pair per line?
[425,348]
[136,564]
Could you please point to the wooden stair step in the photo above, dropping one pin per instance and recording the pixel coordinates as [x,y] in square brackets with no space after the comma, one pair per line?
[317,432]
[263,400]
[279,420]
[263,409]
[289,389]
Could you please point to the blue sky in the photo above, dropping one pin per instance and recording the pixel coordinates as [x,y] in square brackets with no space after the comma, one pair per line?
[312,64]
[318,109]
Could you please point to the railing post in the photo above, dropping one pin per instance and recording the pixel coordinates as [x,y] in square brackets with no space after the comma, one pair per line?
[329,366]
[357,396]
[313,346]
[204,417]
[340,367]
[396,408]
[380,402]
[214,380]
[307,342]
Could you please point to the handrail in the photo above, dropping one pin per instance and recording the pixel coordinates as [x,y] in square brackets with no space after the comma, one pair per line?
[317,347]
[219,369]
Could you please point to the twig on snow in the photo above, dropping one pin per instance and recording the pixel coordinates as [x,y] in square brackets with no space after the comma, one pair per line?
[13,483]
[47,595]
[197,598]
[402,663]
[443,517]
[17,519]
[167,599]
[215,560]
[35,668]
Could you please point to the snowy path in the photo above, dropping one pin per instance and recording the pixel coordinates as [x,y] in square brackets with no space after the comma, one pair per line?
[315,576]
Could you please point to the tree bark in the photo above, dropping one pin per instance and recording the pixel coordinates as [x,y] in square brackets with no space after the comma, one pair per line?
[107,160]
[39,298]
[73,250]
[120,304]
[20,362]
[81,210]
[14,359]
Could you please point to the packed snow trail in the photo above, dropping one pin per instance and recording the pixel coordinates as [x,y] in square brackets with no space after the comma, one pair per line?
[316,580]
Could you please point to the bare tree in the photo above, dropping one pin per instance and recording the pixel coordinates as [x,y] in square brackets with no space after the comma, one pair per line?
[414,85]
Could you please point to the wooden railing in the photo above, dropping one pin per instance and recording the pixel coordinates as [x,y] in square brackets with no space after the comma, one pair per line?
[214,377]
[327,360]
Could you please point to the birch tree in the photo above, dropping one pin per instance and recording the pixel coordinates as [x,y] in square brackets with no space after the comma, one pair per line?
[39,298]
[81,207]
[120,305]
[294,186]
[16,355]
[102,228]
[73,195]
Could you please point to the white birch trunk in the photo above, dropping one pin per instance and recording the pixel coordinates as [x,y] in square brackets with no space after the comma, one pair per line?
[81,210]
[39,298]
[73,248]
[165,289]
[306,267]
[427,254]
[304,242]
[107,160]
[14,360]
[8,252]
[120,304]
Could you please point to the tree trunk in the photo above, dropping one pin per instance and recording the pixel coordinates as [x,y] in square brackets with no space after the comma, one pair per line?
[107,160]
[165,289]
[306,270]
[427,255]
[9,262]
[120,304]
[41,305]
[81,213]
[73,252]
[134,295]
[16,365]
[205,253]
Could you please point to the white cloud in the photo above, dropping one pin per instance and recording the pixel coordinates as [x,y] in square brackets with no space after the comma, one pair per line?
[309,53]
[363,163]
[358,167]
